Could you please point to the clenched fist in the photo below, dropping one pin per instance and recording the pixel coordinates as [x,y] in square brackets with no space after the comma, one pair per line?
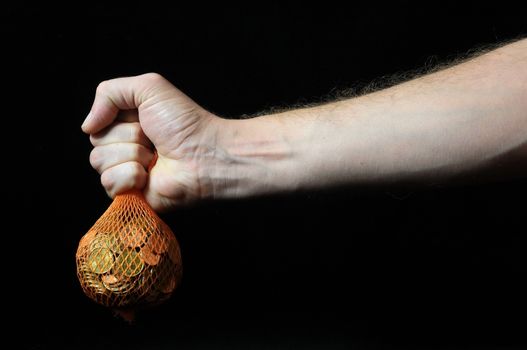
[131,117]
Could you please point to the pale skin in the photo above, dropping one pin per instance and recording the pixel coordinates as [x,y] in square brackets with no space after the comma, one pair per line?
[468,119]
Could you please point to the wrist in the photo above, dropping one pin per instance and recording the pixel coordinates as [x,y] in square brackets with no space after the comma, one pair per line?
[250,157]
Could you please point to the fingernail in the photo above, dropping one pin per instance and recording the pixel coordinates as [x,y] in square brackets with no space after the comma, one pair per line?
[85,120]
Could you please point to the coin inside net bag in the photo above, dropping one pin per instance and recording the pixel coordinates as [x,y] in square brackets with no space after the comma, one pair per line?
[130,258]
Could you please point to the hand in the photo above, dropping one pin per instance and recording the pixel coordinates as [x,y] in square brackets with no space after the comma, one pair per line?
[131,117]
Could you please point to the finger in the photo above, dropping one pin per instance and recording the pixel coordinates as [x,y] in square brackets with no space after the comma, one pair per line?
[118,94]
[107,156]
[121,132]
[124,177]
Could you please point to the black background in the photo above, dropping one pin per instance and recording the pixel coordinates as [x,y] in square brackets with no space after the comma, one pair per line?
[355,268]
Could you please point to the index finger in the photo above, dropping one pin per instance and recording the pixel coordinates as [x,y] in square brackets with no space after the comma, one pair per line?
[117,94]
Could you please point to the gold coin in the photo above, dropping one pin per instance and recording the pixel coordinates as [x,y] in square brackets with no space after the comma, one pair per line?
[100,260]
[90,280]
[115,243]
[116,285]
[128,263]
[96,287]
[100,241]
[148,256]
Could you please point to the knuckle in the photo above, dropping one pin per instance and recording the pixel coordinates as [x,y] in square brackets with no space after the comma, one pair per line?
[93,139]
[103,85]
[123,177]
[95,158]
[107,180]
[154,77]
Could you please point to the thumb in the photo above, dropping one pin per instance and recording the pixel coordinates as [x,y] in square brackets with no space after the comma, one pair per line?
[119,94]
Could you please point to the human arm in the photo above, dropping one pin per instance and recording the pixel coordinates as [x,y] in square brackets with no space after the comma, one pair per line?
[458,120]
[470,118]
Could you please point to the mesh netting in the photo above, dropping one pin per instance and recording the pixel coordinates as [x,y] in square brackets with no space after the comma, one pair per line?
[130,257]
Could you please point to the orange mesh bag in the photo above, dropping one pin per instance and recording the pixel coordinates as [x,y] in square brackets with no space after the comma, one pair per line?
[130,258]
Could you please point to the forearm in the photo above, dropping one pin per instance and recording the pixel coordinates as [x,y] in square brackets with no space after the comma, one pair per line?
[429,129]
